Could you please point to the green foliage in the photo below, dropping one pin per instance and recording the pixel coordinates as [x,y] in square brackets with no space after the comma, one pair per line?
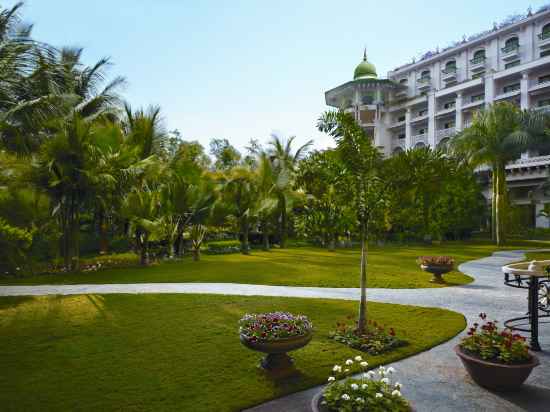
[223,246]
[14,242]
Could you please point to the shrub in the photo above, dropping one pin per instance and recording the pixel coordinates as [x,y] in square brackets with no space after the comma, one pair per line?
[14,243]
[487,342]
[374,341]
[266,327]
[223,247]
[371,391]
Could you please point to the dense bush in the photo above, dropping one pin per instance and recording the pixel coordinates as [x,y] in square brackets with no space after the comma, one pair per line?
[14,242]
[223,247]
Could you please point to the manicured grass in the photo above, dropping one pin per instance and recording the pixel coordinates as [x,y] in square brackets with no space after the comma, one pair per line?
[173,352]
[538,256]
[390,266]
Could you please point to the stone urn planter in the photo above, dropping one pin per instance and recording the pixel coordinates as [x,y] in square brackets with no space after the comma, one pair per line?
[496,376]
[316,403]
[437,266]
[277,358]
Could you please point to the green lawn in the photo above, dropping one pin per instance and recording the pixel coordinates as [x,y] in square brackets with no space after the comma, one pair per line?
[389,267]
[538,256]
[173,352]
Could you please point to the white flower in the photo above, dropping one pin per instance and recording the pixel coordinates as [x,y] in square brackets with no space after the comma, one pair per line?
[385,380]
[331,378]
[349,362]
[354,386]
[358,358]
[378,395]
[346,370]
[346,397]
[390,370]
[364,386]
[398,385]
[337,368]
[396,393]
[360,400]
[364,364]
[370,374]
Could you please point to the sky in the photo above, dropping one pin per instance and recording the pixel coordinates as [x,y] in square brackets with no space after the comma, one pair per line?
[247,69]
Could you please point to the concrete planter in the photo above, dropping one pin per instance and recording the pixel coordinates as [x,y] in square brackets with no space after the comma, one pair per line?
[437,271]
[277,359]
[496,376]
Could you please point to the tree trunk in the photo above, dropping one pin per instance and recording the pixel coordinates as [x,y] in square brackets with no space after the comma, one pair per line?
[143,243]
[283,223]
[245,249]
[103,239]
[197,254]
[178,245]
[501,193]
[494,205]
[265,239]
[76,239]
[362,322]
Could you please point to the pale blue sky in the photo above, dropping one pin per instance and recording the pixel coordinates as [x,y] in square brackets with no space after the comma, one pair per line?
[243,69]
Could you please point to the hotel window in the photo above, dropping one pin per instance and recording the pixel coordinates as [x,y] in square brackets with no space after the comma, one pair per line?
[477,97]
[403,81]
[421,131]
[449,105]
[511,44]
[478,75]
[511,64]
[422,112]
[544,79]
[449,125]
[545,52]
[511,88]
[450,67]
[543,102]
[401,136]
[401,119]
[425,75]
[479,57]
[545,34]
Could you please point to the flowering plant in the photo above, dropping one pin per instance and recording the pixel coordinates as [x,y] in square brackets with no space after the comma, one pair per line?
[435,260]
[265,327]
[374,341]
[489,343]
[372,391]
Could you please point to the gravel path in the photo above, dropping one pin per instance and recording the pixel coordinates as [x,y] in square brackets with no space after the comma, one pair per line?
[434,380]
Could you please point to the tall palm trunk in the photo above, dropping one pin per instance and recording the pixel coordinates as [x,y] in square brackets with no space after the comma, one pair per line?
[265,237]
[362,322]
[500,197]
[283,222]
[245,248]
[494,204]
[103,239]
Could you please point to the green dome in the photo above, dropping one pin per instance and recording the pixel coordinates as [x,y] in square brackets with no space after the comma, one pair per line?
[365,70]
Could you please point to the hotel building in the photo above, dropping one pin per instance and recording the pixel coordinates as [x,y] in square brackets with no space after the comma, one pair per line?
[426,102]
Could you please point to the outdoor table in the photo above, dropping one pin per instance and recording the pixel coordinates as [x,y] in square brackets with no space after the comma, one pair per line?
[535,277]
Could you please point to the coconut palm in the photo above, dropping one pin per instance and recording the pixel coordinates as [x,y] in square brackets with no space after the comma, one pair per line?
[497,137]
[284,161]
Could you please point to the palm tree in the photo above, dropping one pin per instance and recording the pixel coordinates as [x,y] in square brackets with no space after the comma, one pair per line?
[284,162]
[240,194]
[366,188]
[266,187]
[498,136]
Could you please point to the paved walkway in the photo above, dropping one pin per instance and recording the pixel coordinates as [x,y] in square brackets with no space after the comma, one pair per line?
[434,380]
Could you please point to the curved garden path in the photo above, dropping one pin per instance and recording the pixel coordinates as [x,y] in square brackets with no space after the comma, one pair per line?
[433,380]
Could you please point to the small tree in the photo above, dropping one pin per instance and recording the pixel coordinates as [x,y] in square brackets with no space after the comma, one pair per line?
[366,188]
[197,235]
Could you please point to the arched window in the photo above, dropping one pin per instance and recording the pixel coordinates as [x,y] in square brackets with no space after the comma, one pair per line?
[425,74]
[545,33]
[480,54]
[403,81]
[397,150]
[443,143]
[512,42]
[451,64]
[419,145]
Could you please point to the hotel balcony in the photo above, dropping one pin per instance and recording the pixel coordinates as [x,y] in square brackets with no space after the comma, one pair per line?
[543,109]
[478,64]
[544,40]
[398,144]
[510,53]
[424,83]
[419,138]
[444,134]
[449,74]
[540,86]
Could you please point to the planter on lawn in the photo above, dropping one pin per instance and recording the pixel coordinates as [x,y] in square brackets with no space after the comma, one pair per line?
[497,376]
[277,358]
[437,271]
